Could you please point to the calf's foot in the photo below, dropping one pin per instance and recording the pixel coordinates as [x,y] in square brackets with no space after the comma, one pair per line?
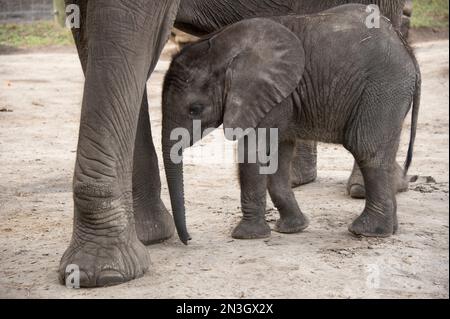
[252,229]
[292,224]
[374,224]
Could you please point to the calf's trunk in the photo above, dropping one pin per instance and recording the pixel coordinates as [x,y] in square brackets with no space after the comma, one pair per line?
[175,182]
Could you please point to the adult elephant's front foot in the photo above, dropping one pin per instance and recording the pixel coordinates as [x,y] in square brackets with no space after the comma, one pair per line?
[356,188]
[105,262]
[104,247]
[304,163]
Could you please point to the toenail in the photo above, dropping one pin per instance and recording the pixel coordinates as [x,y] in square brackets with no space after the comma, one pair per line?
[110,278]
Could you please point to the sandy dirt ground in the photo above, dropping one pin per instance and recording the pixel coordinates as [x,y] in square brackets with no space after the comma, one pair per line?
[40,97]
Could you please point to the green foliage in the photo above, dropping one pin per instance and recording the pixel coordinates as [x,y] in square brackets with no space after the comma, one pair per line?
[36,34]
[430,14]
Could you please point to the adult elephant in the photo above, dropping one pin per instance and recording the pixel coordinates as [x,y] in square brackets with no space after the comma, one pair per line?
[116,185]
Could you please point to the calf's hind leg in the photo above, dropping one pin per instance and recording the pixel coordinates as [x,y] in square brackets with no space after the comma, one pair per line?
[379,218]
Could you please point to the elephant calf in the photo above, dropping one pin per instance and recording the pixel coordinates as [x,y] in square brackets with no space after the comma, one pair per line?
[326,77]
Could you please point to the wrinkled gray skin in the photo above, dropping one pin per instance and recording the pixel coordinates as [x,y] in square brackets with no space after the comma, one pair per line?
[117,204]
[323,77]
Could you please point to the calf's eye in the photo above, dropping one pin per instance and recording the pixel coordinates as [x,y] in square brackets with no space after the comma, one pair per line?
[196,109]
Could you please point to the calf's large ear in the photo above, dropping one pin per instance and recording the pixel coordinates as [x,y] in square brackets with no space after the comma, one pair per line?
[265,65]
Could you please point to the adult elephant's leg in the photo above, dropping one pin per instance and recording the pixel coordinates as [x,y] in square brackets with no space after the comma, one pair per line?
[153,221]
[304,163]
[356,187]
[125,40]
[304,171]
[79,34]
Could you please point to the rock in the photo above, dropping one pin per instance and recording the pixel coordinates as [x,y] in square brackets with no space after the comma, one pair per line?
[431,180]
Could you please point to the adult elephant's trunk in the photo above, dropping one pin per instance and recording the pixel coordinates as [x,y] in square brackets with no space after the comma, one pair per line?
[174,174]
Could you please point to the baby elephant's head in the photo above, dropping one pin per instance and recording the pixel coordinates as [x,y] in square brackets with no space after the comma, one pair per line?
[234,77]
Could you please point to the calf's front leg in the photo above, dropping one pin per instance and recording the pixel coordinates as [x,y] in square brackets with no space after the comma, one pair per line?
[253,201]
[291,219]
